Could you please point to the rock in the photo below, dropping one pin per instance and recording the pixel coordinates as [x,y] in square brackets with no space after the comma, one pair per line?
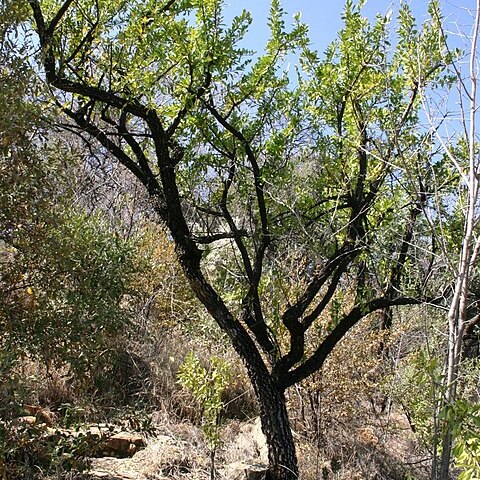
[122,444]
[103,441]
[100,431]
[251,443]
[109,468]
[43,415]
[36,415]
[246,471]
[147,464]
[250,446]
[25,420]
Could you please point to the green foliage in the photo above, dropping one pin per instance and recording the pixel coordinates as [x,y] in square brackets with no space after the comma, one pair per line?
[336,168]
[421,51]
[464,417]
[361,97]
[63,296]
[426,383]
[65,276]
[29,451]
[207,386]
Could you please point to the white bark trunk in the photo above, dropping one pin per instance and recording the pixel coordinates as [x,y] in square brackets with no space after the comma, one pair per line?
[457,315]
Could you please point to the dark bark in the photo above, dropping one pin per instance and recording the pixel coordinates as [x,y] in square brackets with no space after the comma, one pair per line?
[396,273]
[317,359]
[271,398]
[276,427]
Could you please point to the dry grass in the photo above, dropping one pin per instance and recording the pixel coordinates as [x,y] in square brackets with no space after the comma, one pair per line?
[339,435]
[377,448]
[165,355]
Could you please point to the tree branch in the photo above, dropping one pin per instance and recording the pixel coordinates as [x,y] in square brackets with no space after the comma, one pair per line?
[315,361]
[117,152]
[56,19]
[206,239]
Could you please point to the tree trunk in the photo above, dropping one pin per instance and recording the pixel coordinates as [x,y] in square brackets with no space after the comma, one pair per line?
[269,394]
[282,459]
[455,340]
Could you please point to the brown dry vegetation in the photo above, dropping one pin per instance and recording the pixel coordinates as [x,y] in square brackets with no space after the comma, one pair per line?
[340,428]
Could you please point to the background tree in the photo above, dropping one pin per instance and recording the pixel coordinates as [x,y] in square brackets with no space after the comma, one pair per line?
[235,159]
[460,243]
[64,274]
[66,296]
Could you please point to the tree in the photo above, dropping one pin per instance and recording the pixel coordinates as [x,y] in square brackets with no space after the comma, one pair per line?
[64,274]
[460,244]
[236,160]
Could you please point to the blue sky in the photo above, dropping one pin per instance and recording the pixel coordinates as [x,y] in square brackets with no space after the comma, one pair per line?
[324,16]
[324,20]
